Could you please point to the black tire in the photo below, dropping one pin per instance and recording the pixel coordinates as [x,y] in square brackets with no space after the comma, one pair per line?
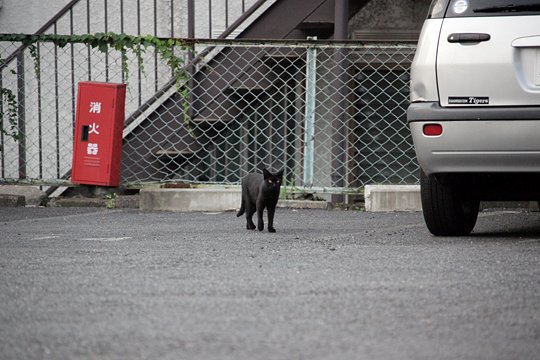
[446,212]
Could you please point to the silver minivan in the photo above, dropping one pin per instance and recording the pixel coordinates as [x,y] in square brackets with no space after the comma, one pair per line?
[475,108]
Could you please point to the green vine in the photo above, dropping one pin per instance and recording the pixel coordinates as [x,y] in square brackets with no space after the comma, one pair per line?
[7,97]
[123,43]
[34,53]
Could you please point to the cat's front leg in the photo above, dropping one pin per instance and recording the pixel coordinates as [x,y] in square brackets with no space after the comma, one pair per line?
[260,221]
[250,225]
[271,212]
[249,221]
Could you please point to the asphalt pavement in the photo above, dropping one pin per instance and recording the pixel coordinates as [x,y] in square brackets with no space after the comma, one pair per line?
[82,283]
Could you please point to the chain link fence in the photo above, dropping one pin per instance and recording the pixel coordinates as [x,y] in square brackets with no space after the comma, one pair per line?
[331,115]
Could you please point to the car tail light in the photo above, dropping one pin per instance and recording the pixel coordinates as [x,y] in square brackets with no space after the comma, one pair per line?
[433,130]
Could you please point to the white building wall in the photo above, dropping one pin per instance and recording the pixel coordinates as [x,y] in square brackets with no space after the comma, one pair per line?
[27,16]
[49,100]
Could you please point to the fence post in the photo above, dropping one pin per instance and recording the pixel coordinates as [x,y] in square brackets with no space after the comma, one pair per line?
[339,140]
[309,121]
[191,58]
[21,113]
[2,152]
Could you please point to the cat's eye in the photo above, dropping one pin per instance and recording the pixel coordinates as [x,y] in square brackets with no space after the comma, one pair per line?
[270,181]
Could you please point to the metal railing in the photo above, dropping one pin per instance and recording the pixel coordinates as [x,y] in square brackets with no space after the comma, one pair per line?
[185,18]
[330,114]
[164,18]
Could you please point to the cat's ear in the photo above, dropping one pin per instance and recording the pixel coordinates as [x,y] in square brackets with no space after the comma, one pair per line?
[279,173]
[266,174]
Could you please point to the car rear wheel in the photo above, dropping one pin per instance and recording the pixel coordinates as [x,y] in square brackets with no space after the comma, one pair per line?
[446,211]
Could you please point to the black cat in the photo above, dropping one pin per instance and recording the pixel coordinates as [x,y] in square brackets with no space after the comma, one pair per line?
[260,191]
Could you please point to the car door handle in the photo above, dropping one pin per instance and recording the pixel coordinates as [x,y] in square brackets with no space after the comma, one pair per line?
[468,38]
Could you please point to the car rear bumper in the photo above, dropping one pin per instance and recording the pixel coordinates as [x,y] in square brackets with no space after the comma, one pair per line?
[480,140]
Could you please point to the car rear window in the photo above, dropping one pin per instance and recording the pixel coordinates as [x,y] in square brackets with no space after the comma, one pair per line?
[478,8]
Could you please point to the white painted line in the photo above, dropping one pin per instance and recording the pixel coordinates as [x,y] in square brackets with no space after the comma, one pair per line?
[107,239]
[45,237]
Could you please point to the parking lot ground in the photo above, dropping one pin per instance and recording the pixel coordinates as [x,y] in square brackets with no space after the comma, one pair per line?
[80,283]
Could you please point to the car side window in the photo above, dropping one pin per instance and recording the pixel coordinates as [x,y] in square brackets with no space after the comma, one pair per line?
[437,9]
[480,8]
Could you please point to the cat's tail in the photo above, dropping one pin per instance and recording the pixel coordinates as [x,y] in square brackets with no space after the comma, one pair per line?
[242,209]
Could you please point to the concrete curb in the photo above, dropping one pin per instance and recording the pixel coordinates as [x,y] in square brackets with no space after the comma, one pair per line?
[117,202]
[79,201]
[392,198]
[302,204]
[211,199]
[388,198]
[7,200]
[208,199]
[378,198]
[31,195]
[180,200]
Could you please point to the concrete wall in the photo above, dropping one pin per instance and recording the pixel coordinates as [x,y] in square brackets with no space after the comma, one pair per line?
[27,16]
[390,15]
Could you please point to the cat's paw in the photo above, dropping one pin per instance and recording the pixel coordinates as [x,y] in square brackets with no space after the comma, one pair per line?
[250,226]
[260,227]
[271,229]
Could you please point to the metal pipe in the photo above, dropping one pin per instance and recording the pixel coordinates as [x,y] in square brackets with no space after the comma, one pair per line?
[156,62]
[226,14]
[172,19]
[57,105]
[122,31]
[172,32]
[191,19]
[2,141]
[122,16]
[106,30]
[72,48]
[21,112]
[88,46]
[309,122]
[341,20]
[191,65]
[39,106]
[210,19]
[139,71]
[339,139]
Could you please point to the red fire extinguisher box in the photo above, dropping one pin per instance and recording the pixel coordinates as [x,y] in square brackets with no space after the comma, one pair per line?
[97,148]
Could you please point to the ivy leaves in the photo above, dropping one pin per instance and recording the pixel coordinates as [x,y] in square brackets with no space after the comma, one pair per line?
[137,45]
[7,98]
[105,41]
